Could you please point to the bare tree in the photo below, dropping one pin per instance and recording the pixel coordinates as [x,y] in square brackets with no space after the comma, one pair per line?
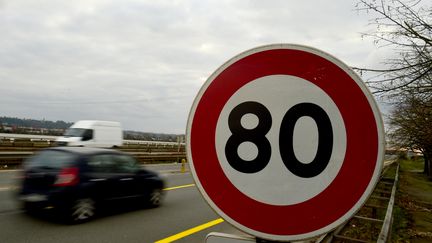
[404,26]
[412,123]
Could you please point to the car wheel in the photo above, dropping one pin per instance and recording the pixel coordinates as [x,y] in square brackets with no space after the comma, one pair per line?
[156,197]
[82,210]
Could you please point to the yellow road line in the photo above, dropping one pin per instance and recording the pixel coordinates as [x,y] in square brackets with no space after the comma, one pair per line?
[178,187]
[190,231]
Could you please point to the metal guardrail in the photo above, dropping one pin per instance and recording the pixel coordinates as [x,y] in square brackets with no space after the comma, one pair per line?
[14,155]
[388,220]
[14,151]
[380,194]
[15,158]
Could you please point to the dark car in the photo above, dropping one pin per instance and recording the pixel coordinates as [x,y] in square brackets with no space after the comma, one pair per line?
[77,180]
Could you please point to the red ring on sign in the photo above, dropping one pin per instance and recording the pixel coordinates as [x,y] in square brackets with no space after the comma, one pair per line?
[346,189]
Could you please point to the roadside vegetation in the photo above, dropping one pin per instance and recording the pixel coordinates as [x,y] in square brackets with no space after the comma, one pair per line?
[413,209]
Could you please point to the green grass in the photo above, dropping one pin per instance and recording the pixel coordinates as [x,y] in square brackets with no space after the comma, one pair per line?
[412,165]
[412,220]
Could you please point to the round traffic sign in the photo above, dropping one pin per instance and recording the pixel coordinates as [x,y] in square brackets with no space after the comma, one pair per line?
[285,142]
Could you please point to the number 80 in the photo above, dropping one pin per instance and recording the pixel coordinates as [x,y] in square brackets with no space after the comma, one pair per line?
[286,137]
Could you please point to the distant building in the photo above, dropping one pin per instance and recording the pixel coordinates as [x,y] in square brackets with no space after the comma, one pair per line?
[6,128]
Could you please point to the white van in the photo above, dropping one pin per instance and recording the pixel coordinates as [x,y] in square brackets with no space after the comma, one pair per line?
[87,133]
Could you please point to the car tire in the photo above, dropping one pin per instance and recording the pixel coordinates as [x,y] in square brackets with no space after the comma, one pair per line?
[156,197]
[82,210]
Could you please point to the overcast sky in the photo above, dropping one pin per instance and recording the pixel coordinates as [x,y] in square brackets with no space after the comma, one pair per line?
[143,62]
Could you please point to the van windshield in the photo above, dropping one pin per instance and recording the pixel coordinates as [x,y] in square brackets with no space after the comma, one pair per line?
[50,159]
[75,132]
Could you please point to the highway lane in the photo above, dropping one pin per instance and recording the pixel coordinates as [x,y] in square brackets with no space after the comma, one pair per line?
[183,209]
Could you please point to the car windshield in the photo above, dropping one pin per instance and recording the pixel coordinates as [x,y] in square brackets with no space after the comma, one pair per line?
[75,132]
[50,159]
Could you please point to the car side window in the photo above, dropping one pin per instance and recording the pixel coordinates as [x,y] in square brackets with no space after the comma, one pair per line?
[102,163]
[88,135]
[126,164]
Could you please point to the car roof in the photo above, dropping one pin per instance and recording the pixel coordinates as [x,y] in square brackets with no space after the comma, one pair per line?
[84,150]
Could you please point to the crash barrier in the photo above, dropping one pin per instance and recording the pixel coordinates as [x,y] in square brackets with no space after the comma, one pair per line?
[374,219]
[12,159]
[148,146]
[12,153]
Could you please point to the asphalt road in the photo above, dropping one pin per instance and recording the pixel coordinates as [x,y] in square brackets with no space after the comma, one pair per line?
[183,209]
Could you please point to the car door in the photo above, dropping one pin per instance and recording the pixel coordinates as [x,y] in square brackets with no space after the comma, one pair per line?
[101,177]
[126,169]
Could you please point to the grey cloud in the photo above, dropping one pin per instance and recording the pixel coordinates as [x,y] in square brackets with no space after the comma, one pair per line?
[143,62]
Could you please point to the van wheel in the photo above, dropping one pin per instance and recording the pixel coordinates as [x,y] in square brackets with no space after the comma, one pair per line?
[82,210]
[155,197]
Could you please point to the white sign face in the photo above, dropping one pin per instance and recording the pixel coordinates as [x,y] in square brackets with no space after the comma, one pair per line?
[285,142]
[270,91]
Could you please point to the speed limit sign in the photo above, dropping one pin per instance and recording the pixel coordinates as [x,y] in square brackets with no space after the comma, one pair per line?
[285,142]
